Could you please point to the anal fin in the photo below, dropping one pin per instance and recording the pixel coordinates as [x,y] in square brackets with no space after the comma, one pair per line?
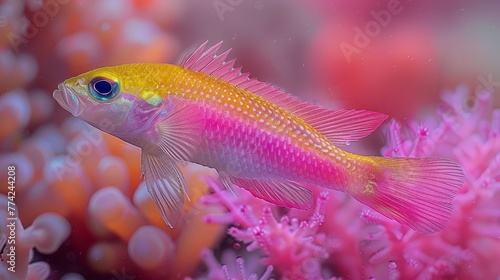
[280,192]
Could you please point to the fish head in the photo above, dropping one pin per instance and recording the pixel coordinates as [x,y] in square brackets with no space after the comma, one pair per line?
[110,99]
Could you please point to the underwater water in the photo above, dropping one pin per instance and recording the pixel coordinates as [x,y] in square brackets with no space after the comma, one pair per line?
[73,204]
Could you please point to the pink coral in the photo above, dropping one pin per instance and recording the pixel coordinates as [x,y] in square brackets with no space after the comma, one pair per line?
[236,268]
[295,248]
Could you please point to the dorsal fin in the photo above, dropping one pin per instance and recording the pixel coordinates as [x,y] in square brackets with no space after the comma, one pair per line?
[339,126]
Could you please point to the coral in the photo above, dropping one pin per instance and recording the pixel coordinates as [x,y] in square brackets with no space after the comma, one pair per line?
[235,267]
[46,234]
[295,249]
[152,249]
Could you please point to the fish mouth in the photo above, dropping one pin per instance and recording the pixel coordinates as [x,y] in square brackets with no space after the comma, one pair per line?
[68,99]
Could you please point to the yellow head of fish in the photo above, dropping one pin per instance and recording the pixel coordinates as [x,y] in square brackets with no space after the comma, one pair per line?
[120,100]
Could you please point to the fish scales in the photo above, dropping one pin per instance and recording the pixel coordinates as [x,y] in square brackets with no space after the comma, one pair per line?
[248,136]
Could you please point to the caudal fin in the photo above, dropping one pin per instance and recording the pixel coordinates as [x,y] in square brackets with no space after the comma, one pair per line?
[416,192]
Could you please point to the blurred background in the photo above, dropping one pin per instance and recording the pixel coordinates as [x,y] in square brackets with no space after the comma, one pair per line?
[395,57]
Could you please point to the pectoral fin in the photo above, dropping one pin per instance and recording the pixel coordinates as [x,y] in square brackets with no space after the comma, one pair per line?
[279,192]
[181,130]
[165,184]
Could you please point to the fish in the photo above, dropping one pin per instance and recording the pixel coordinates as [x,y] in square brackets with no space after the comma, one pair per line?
[256,136]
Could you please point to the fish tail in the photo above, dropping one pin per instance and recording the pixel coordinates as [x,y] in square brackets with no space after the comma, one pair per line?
[416,192]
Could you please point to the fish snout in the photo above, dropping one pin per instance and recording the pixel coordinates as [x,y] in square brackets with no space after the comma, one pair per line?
[68,99]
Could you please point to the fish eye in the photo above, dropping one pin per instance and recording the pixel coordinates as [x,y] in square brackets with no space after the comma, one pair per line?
[103,89]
